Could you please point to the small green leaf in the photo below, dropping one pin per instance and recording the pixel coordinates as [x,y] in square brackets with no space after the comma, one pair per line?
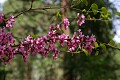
[104,10]
[58,14]
[33,36]
[103,46]
[88,17]
[84,10]
[97,52]
[117,13]
[96,44]
[76,2]
[94,8]
[85,2]
[112,42]
[86,52]
[94,19]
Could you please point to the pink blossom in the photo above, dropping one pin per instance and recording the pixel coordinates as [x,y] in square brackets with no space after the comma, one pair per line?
[66,23]
[81,19]
[9,23]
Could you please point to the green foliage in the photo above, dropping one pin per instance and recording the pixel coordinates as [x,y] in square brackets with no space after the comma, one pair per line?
[117,13]
[84,10]
[58,14]
[94,8]
[112,42]
[103,46]
[104,10]
[96,53]
[85,51]
[76,2]
[96,45]
[85,2]
[33,36]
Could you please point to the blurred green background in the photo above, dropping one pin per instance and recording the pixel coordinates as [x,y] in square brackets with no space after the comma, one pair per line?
[105,66]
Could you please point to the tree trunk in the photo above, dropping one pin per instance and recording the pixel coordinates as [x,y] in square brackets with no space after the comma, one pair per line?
[28,72]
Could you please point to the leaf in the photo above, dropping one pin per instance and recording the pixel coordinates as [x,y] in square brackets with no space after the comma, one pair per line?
[58,14]
[97,52]
[94,8]
[94,19]
[84,10]
[117,13]
[104,10]
[88,17]
[103,46]
[112,42]
[76,2]
[85,2]
[86,52]
[96,44]
[33,36]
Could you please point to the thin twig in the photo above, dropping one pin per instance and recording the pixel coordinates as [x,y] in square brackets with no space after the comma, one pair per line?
[114,47]
[35,9]
[97,19]
[111,46]
[24,11]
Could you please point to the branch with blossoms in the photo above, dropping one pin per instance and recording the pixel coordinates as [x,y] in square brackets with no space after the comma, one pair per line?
[46,44]
[43,45]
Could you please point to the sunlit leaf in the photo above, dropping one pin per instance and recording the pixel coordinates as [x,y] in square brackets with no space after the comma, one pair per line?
[112,42]
[103,46]
[86,52]
[97,52]
[117,13]
[33,36]
[104,10]
[96,44]
[58,14]
[94,8]
[85,2]
[84,10]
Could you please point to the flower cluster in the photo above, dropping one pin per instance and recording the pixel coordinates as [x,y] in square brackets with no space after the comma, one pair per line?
[43,44]
[85,42]
[10,22]
[81,19]
[6,41]
[66,23]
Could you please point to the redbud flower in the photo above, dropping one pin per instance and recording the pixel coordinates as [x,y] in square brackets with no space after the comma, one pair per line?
[10,22]
[6,49]
[51,27]
[66,23]
[58,26]
[81,19]
[89,43]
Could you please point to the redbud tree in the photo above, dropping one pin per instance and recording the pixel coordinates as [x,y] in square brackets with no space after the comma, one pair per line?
[43,45]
